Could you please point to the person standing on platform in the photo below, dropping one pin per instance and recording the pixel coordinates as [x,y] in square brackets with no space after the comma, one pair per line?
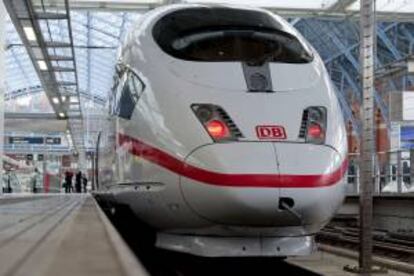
[68,181]
[84,182]
[8,188]
[34,181]
[78,183]
[66,187]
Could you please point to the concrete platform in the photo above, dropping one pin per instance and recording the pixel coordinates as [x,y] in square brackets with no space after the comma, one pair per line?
[61,235]
[324,263]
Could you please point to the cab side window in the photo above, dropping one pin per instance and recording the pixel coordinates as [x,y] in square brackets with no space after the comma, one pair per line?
[126,94]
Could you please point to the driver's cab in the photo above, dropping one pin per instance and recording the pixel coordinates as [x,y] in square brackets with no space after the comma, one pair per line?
[251,36]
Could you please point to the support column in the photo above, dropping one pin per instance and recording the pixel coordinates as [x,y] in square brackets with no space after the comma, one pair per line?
[368,147]
[411,167]
[2,87]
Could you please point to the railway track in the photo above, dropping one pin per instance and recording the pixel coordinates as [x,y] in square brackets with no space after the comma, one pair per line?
[389,245]
[166,263]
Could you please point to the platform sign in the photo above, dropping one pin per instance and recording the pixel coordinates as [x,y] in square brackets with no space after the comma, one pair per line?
[407,137]
[53,140]
[29,157]
[35,140]
[26,140]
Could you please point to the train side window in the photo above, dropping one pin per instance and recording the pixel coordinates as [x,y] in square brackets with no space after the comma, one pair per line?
[136,85]
[129,96]
[119,81]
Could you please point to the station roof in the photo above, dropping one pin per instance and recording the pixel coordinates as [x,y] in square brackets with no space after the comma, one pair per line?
[392,6]
[391,10]
[99,26]
[96,36]
[97,32]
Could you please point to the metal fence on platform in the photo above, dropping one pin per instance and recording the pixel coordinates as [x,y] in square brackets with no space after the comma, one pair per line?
[393,172]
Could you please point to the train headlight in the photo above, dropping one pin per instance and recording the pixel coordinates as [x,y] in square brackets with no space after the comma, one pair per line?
[204,113]
[313,127]
[217,122]
[217,129]
[315,131]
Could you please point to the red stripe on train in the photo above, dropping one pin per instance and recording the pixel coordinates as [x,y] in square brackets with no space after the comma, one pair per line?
[165,160]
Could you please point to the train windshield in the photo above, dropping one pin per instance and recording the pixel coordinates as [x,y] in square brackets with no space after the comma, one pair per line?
[223,34]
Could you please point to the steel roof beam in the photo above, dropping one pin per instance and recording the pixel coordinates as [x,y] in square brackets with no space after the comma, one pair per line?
[55,44]
[352,60]
[67,83]
[336,11]
[88,43]
[46,16]
[356,89]
[347,53]
[51,16]
[350,15]
[60,58]
[63,69]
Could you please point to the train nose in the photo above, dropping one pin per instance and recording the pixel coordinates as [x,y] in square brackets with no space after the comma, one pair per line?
[263,184]
[222,183]
[313,177]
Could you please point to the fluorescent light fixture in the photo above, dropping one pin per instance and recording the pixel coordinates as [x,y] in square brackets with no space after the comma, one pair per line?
[63,98]
[61,114]
[410,65]
[42,65]
[55,100]
[30,34]
[74,99]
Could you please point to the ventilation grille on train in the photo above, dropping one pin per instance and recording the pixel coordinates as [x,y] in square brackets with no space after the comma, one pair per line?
[304,125]
[229,122]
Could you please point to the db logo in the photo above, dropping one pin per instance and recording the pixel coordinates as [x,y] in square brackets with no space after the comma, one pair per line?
[271,132]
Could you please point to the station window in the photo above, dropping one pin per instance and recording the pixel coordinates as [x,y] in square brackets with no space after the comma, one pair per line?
[126,93]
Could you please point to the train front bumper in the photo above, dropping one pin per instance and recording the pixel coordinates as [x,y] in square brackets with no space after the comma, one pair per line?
[264,184]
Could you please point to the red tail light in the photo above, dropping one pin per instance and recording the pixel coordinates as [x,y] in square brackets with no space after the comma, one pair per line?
[217,129]
[217,122]
[315,131]
[313,126]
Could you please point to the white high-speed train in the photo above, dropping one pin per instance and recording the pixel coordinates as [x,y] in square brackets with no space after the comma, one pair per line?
[225,134]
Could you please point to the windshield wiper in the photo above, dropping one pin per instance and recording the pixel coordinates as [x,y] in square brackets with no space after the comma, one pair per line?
[184,42]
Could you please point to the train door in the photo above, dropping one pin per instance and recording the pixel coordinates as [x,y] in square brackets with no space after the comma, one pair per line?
[127,92]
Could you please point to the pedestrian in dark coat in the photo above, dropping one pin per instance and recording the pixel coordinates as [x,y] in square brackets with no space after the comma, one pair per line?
[68,181]
[84,182]
[78,183]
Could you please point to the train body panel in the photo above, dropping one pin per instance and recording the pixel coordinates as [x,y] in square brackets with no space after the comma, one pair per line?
[218,149]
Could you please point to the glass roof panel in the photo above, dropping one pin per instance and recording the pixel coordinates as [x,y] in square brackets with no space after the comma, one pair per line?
[97,37]
[397,6]
[20,72]
[34,102]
